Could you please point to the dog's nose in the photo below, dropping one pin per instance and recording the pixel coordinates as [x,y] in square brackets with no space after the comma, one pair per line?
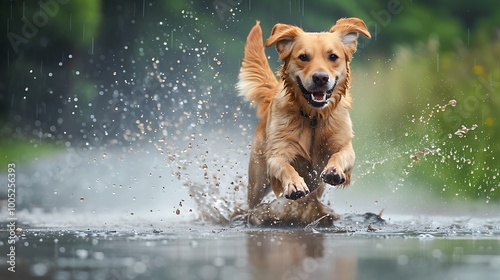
[320,79]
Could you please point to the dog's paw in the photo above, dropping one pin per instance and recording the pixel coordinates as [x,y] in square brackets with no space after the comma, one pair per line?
[333,176]
[296,195]
[296,189]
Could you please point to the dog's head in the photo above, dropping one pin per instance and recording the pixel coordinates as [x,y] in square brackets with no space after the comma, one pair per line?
[317,64]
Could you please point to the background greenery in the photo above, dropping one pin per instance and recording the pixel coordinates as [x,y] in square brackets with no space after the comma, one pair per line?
[104,73]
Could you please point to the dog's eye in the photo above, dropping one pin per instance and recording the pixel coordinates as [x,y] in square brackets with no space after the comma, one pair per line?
[303,57]
[333,57]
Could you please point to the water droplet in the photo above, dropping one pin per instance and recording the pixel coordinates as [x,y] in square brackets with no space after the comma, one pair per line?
[39,269]
[82,253]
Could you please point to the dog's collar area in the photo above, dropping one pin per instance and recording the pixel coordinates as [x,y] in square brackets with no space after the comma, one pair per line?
[309,95]
[312,120]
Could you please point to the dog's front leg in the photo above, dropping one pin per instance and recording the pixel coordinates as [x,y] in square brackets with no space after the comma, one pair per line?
[339,167]
[284,178]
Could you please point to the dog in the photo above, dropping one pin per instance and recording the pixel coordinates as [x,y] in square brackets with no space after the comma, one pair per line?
[304,138]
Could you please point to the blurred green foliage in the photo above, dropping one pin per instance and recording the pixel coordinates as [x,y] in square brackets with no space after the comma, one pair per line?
[437,118]
[25,152]
[71,71]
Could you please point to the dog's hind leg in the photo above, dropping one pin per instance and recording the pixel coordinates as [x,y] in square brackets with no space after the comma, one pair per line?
[258,179]
[258,182]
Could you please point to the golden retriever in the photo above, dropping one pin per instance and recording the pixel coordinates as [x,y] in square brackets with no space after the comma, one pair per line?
[304,136]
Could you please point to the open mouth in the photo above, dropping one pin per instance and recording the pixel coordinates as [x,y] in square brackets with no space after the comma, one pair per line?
[316,99]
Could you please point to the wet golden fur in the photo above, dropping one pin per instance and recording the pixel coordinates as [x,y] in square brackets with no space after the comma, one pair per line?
[290,154]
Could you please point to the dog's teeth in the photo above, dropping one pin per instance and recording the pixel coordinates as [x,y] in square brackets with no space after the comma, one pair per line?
[319,97]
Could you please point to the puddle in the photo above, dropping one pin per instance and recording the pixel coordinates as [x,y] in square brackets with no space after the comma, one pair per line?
[437,248]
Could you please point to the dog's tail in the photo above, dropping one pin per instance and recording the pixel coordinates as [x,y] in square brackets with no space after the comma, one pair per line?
[257,82]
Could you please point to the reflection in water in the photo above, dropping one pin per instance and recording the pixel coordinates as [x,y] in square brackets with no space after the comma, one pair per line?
[438,250]
[297,255]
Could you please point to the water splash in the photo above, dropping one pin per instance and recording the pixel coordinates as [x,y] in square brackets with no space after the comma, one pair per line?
[461,132]
[430,145]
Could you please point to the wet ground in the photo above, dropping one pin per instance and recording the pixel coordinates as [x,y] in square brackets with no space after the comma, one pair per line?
[403,247]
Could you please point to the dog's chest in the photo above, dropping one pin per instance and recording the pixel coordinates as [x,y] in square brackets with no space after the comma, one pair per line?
[315,143]
[300,139]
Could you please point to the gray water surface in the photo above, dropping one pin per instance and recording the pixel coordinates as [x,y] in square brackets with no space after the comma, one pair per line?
[403,248]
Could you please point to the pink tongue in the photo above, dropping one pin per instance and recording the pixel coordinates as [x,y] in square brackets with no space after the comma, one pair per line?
[318,96]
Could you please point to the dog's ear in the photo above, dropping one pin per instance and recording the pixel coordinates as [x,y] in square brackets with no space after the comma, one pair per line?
[283,35]
[348,30]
